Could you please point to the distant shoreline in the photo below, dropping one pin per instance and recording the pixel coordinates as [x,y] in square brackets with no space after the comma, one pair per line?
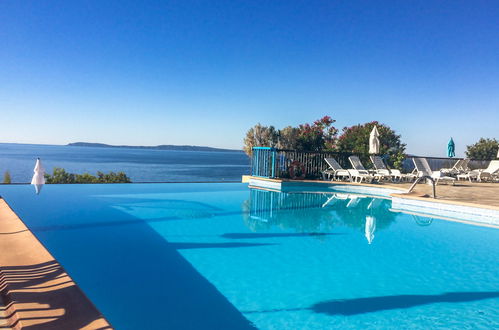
[159,147]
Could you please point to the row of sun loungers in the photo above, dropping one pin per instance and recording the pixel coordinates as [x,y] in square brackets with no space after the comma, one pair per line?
[462,172]
[491,173]
[359,173]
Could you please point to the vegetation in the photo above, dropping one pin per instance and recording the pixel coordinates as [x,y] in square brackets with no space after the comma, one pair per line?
[260,136]
[6,177]
[321,135]
[318,136]
[59,175]
[354,140]
[484,149]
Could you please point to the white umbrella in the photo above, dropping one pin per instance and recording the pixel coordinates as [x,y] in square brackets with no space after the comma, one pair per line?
[38,178]
[370,228]
[374,141]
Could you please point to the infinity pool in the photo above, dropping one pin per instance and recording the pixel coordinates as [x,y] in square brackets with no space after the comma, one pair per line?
[223,256]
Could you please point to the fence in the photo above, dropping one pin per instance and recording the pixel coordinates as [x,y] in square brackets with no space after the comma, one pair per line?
[437,163]
[278,163]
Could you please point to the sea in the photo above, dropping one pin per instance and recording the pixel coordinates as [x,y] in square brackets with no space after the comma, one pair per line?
[141,165]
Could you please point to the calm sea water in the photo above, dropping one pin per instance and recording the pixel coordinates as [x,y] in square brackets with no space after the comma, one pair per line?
[141,165]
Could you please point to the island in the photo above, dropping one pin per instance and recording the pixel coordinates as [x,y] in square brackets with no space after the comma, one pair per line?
[160,147]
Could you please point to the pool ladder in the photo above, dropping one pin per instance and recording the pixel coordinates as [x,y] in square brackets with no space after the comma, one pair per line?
[424,177]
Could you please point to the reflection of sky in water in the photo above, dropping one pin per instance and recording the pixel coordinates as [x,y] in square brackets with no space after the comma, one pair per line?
[222,254]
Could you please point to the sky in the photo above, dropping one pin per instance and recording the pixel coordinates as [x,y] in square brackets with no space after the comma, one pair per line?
[204,72]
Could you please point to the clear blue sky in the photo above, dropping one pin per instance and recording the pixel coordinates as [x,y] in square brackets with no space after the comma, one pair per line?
[203,72]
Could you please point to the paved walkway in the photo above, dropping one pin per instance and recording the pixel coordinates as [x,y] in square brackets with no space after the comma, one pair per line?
[36,290]
[486,194]
[4,324]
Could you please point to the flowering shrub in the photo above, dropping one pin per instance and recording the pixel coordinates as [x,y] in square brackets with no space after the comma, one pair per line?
[355,140]
[321,135]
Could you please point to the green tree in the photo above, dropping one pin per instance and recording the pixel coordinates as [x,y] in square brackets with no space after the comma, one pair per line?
[59,175]
[288,138]
[6,177]
[355,140]
[85,178]
[112,177]
[319,136]
[484,149]
[260,136]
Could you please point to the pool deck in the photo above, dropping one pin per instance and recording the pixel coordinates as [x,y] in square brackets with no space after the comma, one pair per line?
[464,193]
[479,194]
[35,291]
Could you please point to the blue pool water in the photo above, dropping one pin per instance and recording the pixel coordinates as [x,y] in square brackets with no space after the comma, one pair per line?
[223,256]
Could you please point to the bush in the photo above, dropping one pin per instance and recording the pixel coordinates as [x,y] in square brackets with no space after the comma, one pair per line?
[484,149]
[260,136]
[355,140]
[59,175]
[6,177]
[318,136]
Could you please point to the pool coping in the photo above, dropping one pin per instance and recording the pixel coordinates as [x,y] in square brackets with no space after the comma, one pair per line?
[35,288]
[402,200]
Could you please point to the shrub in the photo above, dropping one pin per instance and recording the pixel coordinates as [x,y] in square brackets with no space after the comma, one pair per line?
[260,136]
[59,175]
[6,177]
[484,149]
[355,140]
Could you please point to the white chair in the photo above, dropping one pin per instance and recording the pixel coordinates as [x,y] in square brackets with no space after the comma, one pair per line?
[335,170]
[396,175]
[359,172]
[460,167]
[489,173]
[424,169]
[455,169]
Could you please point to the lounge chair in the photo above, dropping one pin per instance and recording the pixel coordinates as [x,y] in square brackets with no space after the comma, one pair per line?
[396,175]
[490,173]
[360,173]
[335,170]
[455,169]
[460,167]
[424,169]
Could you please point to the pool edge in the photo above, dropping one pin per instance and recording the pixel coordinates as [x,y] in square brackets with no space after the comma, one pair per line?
[35,288]
[480,213]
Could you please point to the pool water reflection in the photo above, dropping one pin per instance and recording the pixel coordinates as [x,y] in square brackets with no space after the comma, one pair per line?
[224,256]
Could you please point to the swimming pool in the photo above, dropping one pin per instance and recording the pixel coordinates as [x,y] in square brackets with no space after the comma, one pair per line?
[223,256]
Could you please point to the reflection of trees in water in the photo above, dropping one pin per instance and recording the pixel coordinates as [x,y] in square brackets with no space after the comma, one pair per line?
[313,212]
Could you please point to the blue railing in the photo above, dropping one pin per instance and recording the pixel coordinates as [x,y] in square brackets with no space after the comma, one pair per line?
[267,162]
[263,162]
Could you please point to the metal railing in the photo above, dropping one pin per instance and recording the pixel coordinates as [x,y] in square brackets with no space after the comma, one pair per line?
[269,162]
[278,163]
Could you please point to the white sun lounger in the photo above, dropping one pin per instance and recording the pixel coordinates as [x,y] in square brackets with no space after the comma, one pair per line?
[360,173]
[335,171]
[489,173]
[396,175]
[424,169]
[460,167]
